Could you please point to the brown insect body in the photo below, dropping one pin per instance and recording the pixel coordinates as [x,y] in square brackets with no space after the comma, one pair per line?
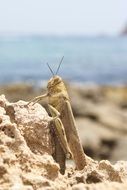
[59,99]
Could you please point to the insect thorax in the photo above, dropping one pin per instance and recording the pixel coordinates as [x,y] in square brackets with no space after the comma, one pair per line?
[57,94]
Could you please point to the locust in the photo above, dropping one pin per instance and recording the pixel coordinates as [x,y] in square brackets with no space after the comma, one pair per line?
[67,141]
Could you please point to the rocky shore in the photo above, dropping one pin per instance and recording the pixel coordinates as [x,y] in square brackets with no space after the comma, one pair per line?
[26,146]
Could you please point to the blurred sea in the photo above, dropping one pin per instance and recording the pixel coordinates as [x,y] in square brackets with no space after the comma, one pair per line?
[101,60]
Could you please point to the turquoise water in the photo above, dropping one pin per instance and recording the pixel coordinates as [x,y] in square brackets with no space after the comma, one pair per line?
[101,60]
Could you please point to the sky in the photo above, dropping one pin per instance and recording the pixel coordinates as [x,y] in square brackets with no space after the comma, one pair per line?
[63,17]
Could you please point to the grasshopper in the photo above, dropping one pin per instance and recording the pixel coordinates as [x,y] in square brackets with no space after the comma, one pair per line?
[65,125]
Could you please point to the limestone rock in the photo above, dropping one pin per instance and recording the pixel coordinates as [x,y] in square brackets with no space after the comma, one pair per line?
[25,155]
[24,131]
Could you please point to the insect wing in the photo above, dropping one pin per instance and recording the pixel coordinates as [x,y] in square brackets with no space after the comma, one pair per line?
[73,140]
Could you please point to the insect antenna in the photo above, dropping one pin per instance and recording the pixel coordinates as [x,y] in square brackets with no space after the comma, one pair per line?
[50,69]
[59,65]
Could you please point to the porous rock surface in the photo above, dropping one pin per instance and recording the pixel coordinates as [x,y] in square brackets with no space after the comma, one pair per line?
[25,155]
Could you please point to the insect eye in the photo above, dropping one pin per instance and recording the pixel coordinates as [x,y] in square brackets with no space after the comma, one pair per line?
[56,80]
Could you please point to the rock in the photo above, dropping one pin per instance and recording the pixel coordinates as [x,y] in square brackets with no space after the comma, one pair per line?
[24,132]
[32,121]
[120,152]
[97,140]
[102,186]
[101,117]
[25,154]
[100,174]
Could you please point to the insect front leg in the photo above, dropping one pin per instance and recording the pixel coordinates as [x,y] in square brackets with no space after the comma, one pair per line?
[37,99]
